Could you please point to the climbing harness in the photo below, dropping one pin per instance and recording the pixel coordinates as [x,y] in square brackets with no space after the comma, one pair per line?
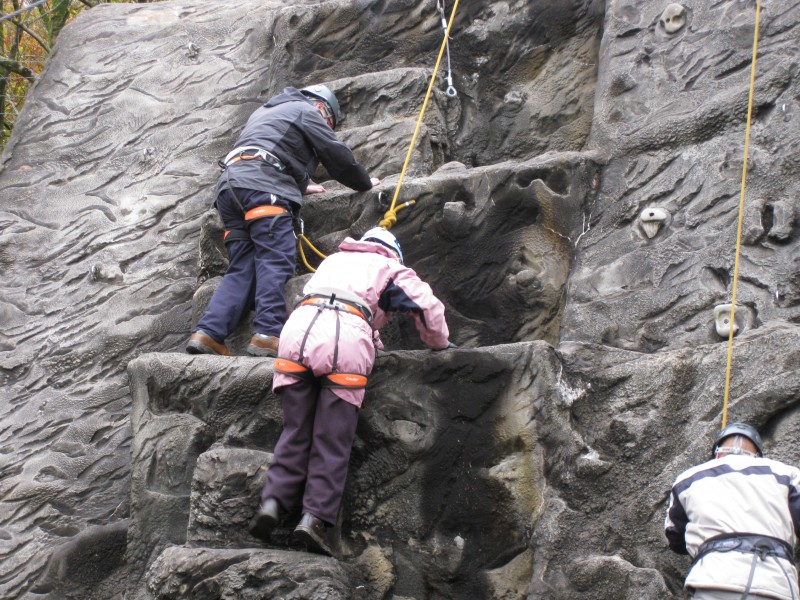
[741,217]
[334,379]
[451,91]
[762,547]
[390,218]
[252,153]
[259,212]
[352,308]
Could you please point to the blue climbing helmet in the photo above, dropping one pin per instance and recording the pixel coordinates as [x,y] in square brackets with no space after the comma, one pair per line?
[322,92]
[383,237]
[742,429]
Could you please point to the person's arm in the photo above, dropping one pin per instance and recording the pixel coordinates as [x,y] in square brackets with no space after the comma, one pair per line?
[794,501]
[675,525]
[336,157]
[407,293]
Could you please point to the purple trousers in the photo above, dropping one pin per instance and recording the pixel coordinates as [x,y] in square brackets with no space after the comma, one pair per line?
[309,467]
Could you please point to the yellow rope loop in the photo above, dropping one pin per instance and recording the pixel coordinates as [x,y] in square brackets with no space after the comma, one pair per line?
[390,217]
[302,238]
[741,215]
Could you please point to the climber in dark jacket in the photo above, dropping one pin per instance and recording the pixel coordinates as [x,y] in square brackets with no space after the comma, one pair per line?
[257,195]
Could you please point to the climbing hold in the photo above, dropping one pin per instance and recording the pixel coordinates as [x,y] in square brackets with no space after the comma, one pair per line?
[652,219]
[673,18]
[722,320]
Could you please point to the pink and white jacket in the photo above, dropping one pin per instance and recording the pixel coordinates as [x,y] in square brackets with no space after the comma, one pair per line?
[371,273]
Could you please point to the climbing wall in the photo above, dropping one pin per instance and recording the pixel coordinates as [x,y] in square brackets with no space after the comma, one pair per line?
[576,212]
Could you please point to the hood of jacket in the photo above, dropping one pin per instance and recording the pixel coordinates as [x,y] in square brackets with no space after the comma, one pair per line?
[351,245]
[289,94]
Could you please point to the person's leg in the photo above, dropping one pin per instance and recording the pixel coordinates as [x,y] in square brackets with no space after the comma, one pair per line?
[234,296]
[286,476]
[275,252]
[334,431]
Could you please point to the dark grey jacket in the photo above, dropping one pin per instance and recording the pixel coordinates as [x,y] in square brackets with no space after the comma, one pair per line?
[291,128]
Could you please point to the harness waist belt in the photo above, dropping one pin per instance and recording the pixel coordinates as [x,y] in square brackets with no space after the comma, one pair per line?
[336,304]
[253,153]
[264,211]
[762,545]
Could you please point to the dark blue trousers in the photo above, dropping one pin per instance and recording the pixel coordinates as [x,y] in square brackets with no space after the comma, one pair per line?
[258,270]
[309,466]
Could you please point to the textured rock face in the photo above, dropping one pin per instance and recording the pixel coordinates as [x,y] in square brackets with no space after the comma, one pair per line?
[576,211]
[671,111]
[444,486]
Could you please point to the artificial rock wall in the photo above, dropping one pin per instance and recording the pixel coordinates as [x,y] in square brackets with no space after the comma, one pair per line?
[531,463]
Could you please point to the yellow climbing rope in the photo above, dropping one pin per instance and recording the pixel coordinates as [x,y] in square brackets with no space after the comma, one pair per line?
[390,217]
[302,238]
[741,214]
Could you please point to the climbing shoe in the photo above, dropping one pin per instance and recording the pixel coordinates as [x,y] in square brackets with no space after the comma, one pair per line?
[265,519]
[202,343]
[313,535]
[263,345]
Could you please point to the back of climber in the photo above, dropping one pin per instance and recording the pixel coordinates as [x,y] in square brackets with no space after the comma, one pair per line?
[327,350]
[257,196]
[738,516]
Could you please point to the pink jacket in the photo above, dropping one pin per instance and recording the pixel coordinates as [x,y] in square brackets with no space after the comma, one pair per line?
[370,272]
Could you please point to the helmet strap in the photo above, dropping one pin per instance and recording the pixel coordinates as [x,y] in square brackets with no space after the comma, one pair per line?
[735,448]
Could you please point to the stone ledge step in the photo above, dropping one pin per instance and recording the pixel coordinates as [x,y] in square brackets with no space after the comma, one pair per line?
[204,573]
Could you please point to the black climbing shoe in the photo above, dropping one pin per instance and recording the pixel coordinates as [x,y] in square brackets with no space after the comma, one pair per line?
[265,519]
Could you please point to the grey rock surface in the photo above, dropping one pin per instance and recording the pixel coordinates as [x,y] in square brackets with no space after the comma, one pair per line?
[207,574]
[533,463]
[445,461]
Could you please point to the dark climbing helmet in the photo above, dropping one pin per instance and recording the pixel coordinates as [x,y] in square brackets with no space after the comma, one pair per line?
[383,237]
[323,93]
[742,429]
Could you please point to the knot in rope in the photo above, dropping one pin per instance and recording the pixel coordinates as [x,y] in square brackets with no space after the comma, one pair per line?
[390,216]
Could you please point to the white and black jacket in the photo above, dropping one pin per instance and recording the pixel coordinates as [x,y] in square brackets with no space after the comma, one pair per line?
[737,495]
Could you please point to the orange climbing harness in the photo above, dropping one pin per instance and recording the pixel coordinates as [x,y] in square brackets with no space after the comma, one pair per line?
[741,216]
[334,379]
[259,212]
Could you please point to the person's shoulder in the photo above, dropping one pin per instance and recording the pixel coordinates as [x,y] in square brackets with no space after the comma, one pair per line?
[780,467]
[691,471]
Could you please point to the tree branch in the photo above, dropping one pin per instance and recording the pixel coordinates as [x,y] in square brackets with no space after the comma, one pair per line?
[13,66]
[31,33]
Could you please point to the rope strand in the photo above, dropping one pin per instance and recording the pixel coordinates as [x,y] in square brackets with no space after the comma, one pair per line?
[390,218]
[741,215]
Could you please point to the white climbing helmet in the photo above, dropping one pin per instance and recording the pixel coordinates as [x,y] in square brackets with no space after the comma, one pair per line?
[383,237]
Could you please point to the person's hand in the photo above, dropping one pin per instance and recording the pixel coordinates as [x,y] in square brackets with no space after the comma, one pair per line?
[314,188]
[375,181]
[450,346]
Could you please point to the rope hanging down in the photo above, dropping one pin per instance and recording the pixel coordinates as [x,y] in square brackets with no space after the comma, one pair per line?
[390,218]
[741,214]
